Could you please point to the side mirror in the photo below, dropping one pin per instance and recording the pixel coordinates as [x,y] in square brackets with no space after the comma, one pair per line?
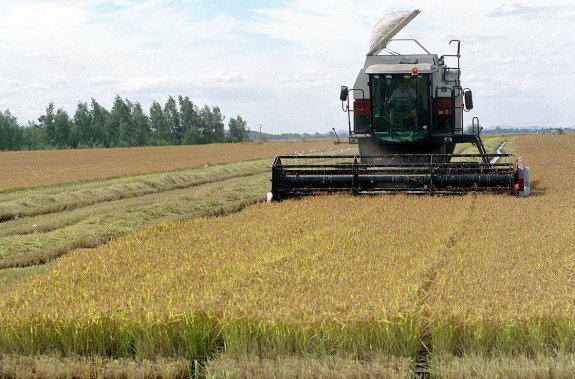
[344,93]
[468,99]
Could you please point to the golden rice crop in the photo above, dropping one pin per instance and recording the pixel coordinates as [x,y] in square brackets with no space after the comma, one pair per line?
[508,284]
[389,274]
[279,278]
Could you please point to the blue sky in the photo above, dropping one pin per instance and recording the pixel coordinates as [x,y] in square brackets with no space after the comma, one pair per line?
[276,63]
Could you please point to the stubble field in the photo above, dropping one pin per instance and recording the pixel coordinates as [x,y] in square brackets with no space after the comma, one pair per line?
[24,169]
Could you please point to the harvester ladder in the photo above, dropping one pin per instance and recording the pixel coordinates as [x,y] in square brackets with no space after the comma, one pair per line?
[479,143]
[476,129]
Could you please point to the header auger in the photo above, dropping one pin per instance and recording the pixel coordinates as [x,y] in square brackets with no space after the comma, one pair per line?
[407,119]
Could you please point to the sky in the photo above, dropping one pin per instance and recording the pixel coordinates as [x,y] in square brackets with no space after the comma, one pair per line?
[279,64]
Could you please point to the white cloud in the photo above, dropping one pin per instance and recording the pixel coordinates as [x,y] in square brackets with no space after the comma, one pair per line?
[101,81]
[278,65]
[165,83]
[10,84]
[535,11]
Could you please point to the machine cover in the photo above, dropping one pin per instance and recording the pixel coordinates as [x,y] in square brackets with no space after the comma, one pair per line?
[387,28]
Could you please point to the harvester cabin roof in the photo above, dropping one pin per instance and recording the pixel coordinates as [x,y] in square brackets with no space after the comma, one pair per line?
[422,68]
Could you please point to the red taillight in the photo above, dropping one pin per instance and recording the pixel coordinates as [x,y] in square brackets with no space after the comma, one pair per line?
[362,107]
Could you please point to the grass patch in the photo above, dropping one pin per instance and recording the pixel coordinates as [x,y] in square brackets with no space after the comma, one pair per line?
[530,336]
[491,143]
[324,276]
[47,222]
[200,336]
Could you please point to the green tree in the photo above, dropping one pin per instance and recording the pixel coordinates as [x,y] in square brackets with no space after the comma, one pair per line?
[204,129]
[33,137]
[217,125]
[173,121]
[238,131]
[10,132]
[101,120]
[126,124]
[83,125]
[189,120]
[160,135]
[47,124]
[122,125]
[474,129]
[211,125]
[141,125]
[63,135]
[57,127]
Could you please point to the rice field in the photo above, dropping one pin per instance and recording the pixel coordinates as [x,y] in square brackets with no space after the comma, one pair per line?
[24,169]
[508,283]
[40,224]
[447,283]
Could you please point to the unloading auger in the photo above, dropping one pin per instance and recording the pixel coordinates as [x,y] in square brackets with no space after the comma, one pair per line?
[407,119]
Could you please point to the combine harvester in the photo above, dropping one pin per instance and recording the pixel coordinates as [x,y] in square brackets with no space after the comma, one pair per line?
[407,119]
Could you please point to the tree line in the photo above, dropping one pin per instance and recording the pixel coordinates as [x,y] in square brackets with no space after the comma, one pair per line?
[178,122]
